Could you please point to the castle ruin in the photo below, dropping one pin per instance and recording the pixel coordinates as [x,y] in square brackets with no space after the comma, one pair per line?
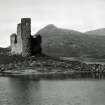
[23,43]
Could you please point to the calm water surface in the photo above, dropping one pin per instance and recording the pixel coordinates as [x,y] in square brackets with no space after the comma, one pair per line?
[15,91]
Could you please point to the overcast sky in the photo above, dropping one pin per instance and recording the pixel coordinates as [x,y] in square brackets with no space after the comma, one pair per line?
[81,15]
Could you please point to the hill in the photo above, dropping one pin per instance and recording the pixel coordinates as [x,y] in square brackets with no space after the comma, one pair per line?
[70,43]
[100,32]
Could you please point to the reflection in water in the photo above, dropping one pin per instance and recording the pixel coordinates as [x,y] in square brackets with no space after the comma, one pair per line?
[19,91]
[23,91]
[90,75]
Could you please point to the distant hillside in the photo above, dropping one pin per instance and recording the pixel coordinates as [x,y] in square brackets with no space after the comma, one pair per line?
[70,43]
[4,51]
[100,32]
[4,58]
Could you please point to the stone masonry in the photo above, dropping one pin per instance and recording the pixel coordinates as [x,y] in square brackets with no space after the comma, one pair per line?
[23,43]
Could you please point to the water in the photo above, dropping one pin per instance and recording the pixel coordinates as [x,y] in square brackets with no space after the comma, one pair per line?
[22,91]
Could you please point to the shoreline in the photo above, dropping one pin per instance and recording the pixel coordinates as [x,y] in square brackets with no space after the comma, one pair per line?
[59,75]
[48,67]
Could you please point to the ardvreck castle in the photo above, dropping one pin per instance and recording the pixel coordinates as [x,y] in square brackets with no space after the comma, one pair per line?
[23,43]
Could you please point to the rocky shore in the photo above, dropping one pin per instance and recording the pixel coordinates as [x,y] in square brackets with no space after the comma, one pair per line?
[48,67]
[40,65]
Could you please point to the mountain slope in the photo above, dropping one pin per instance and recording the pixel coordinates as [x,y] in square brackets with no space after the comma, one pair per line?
[100,32]
[70,43]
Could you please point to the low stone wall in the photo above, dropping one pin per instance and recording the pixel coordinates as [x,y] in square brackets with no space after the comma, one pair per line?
[93,67]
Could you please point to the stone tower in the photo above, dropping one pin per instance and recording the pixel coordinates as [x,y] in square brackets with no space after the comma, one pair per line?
[26,36]
[23,43]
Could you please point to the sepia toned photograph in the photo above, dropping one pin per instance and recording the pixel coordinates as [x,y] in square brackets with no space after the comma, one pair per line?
[52,52]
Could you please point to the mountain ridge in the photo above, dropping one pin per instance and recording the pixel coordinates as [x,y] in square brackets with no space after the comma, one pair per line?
[70,43]
[100,31]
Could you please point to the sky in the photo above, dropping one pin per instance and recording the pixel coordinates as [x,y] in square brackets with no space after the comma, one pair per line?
[80,15]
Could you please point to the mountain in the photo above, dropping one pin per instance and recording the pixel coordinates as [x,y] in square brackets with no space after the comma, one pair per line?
[70,43]
[100,32]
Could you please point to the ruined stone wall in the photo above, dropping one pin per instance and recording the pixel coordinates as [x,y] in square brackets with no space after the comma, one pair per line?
[23,43]
[13,40]
[16,42]
[26,36]
[36,44]
[19,40]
